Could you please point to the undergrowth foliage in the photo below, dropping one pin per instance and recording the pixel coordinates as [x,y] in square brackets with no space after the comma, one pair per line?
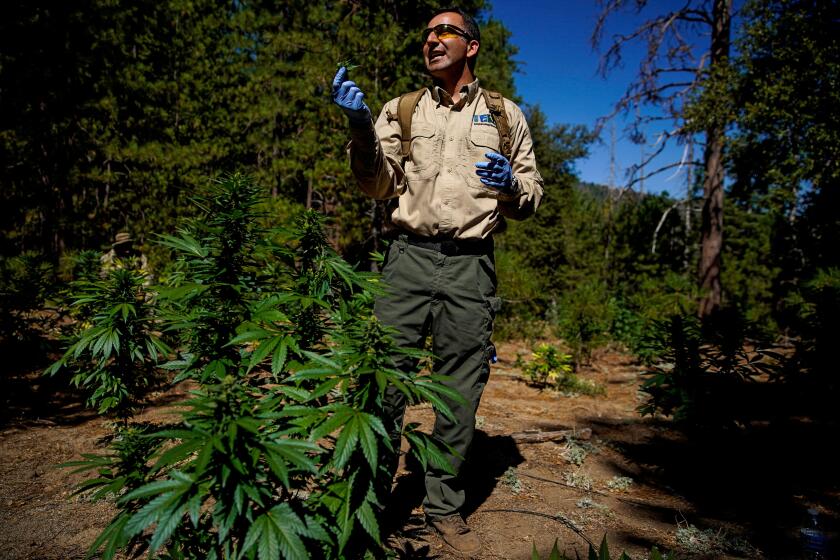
[278,452]
[703,371]
[601,553]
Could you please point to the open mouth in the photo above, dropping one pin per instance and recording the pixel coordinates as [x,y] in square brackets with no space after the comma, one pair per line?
[435,55]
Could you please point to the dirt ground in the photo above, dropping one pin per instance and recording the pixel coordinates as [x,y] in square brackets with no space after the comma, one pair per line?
[636,480]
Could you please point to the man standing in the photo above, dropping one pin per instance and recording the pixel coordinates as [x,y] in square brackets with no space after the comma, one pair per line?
[123,254]
[447,187]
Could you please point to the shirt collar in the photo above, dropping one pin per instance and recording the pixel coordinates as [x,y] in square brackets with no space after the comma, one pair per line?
[468,93]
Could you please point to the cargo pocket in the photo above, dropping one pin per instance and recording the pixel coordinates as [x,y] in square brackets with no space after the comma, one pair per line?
[396,249]
[493,304]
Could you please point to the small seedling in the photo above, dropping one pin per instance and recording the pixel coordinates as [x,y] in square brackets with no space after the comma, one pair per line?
[696,541]
[577,451]
[619,483]
[578,479]
[511,480]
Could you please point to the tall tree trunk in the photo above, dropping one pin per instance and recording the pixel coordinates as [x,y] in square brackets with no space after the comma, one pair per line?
[711,241]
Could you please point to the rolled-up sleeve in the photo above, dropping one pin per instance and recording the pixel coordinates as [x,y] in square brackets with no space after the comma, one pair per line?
[529,183]
[375,158]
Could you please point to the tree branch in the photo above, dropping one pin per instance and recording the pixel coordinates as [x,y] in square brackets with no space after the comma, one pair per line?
[659,225]
[660,170]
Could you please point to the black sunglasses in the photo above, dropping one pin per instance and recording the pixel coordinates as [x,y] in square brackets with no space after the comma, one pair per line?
[445,31]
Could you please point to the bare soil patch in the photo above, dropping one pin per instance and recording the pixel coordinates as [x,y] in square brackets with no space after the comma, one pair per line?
[638,480]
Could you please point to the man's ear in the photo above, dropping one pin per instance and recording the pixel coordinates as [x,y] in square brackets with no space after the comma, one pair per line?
[472,48]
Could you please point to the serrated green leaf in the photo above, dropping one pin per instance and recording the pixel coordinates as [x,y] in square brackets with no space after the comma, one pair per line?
[178,453]
[248,336]
[278,360]
[367,518]
[296,393]
[113,538]
[262,350]
[346,443]
[151,489]
[278,533]
[367,439]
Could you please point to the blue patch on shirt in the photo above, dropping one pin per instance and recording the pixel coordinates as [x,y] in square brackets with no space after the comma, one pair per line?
[486,119]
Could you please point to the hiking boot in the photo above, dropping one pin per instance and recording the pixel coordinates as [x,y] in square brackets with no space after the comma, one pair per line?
[456,534]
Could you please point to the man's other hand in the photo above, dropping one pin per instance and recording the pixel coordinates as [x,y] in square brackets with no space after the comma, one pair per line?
[349,97]
[496,172]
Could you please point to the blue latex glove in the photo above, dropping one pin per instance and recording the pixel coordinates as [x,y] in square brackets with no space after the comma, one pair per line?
[496,172]
[349,97]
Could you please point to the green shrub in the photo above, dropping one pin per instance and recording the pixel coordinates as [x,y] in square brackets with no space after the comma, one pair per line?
[26,281]
[814,313]
[637,316]
[583,317]
[523,296]
[550,368]
[125,469]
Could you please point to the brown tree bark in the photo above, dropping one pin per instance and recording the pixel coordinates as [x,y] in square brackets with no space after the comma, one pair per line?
[711,239]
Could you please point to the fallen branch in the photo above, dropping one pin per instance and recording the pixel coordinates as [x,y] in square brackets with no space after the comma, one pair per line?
[542,437]
[590,491]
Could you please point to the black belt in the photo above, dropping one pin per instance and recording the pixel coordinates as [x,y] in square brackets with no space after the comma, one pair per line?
[449,246]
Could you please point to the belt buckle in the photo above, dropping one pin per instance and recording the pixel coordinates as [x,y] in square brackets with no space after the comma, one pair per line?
[449,247]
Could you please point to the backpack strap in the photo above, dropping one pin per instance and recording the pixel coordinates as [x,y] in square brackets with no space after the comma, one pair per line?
[405,111]
[496,105]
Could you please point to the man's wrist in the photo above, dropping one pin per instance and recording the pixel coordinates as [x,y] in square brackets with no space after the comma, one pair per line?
[512,191]
[358,120]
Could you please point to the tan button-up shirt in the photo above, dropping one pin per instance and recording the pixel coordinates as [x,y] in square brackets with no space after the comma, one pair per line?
[437,191]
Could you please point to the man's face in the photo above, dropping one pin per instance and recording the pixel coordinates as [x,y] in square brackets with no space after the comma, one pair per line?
[445,55]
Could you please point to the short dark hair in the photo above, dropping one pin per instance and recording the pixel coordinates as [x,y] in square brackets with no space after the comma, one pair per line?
[470,25]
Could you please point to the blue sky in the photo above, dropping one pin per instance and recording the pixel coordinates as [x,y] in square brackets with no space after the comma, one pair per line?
[559,73]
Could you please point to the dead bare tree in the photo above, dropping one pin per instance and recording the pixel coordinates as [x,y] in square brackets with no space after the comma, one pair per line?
[673,69]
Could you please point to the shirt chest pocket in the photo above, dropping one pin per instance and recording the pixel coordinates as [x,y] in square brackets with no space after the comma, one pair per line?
[483,141]
[424,156]
[479,144]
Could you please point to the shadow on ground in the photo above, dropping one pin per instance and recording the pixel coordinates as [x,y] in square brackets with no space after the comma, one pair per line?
[30,398]
[761,478]
[489,458]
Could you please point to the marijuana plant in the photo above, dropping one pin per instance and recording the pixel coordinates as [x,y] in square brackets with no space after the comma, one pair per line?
[208,296]
[703,370]
[280,451]
[115,357]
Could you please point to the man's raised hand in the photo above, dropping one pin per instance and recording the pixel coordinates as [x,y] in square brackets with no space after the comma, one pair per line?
[349,97]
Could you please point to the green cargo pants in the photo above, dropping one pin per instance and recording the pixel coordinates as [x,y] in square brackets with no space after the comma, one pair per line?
[453,298]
